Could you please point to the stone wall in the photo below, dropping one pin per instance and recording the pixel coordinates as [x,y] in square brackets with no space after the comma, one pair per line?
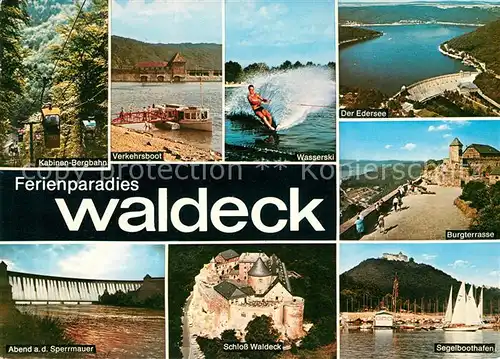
[348,228]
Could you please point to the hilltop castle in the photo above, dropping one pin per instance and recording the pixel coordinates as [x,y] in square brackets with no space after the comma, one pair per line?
[477,162]
[233,289]
[395,257]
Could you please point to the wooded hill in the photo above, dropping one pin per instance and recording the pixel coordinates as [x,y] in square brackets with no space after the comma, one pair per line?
[483,44]
[374,278]
[347,33]
[125,53]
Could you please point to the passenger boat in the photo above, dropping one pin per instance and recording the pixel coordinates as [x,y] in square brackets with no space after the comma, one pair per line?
[188,117]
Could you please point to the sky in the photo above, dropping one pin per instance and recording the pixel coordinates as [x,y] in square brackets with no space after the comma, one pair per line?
[168,21]
[417,1]
[113,261]
[412,140]
[476,263]
[275,31]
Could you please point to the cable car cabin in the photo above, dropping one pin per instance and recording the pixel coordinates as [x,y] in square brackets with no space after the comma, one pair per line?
[89,126]
[51,118]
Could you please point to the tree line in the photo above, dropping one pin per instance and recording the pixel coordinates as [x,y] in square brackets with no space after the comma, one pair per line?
[234,72]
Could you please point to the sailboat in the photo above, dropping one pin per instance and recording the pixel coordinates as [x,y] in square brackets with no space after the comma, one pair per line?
[464,316]
[480,312]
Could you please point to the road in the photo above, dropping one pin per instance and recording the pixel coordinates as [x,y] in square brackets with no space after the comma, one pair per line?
[425,216]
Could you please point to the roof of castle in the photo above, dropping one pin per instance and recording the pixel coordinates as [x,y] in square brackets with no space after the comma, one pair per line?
[231,291]
[456,142]
[496,171]
[259,269]
[274,284]
[178,58]
[229,254]
[145,64]
[485,150]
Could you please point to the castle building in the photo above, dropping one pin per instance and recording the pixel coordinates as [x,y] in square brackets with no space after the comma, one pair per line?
[160,71]
[395,257]
[233,289]
[478,162]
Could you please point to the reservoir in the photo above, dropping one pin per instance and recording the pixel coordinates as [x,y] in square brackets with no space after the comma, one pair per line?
[391,344]
[404,55]
[117,332]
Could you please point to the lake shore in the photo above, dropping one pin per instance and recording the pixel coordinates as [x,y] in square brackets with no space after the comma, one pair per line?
[367,316]
[130,140]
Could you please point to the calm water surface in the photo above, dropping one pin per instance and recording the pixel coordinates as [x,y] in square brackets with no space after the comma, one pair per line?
[124,333]
[136,96]
[404,55]
[390,344]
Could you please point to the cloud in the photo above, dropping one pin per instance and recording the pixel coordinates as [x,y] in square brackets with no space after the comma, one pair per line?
[446,135]
[97,261]
[409,146]
[495,273]
[387,146]
[459,263]
[429,257]
[10,264]
[443,127]
[458,122]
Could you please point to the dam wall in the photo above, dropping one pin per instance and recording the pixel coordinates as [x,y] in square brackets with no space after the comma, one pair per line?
[39,289]
[435,86]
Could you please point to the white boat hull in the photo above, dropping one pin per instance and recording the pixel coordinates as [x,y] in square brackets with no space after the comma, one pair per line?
[197,125]
[461,329]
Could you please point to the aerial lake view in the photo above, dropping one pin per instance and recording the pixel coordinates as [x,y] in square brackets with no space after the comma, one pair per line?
[404,55]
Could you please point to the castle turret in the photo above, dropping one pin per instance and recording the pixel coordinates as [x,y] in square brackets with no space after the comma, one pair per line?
[456,151]
[5,287]
[259,277]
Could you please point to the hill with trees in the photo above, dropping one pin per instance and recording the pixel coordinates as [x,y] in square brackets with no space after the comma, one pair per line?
[483,44]
[371,281]
[382,14]
[351,34]
[316,264]
[125,53]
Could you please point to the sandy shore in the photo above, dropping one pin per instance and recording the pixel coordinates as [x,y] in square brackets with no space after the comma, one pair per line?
[129,140]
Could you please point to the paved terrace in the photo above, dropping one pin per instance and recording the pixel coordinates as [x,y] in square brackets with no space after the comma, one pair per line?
[424,216]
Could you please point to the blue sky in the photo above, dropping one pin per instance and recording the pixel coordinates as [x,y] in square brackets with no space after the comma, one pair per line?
[93,261]
[412,140]
[476,263]
[168,21]
[276,31]
[415,1]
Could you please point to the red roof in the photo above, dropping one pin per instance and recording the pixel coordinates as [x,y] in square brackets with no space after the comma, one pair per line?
[152,64]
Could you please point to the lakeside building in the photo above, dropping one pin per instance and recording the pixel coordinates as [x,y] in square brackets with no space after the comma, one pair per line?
[174,70]
[233,289]
[478,162]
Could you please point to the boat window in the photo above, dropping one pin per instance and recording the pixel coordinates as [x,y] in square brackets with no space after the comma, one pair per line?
[188,116]
[204,115]
[181,115]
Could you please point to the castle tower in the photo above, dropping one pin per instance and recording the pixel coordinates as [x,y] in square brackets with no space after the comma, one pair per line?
[5,287]
[259,277]
[456,151]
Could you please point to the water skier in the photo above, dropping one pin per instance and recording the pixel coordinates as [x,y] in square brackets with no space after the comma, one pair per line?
[256,102]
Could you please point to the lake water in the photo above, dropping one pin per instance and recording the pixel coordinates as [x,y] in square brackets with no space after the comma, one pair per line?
[411,344]
[137,96]
[404,55]
[302,103]
[124,333]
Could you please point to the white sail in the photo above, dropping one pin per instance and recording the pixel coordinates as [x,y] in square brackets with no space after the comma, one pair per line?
[458,316]
[449,310]
[480,306]
[471,314]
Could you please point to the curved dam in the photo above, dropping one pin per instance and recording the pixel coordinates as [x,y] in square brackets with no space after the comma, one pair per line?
[40,289]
